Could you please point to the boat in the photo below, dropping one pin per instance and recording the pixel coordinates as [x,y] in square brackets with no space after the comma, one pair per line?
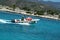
[27,21]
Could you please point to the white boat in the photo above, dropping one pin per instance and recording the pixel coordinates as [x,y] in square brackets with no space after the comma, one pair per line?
[24,21]
[19,21]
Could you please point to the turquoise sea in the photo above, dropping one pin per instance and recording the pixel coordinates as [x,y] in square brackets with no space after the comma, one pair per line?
[45,29]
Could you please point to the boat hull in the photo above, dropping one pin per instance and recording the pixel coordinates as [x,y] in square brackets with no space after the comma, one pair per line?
[34,21]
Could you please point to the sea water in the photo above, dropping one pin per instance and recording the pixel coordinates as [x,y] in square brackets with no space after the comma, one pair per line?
[44,29]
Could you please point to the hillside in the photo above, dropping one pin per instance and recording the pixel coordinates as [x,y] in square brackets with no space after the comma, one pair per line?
[52,4]
[32,4]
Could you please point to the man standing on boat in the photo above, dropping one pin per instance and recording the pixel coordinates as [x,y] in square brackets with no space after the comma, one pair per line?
[22,19]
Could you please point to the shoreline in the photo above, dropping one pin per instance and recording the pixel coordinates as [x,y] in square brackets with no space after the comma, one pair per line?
[18,11]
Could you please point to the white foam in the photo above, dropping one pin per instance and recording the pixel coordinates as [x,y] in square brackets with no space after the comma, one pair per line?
[2,21]
[23,23]
[6,21]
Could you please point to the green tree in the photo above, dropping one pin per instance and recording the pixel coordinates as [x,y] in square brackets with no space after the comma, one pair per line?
[13,6]
[41,12]
[26,8]
[50,12]
[59,16]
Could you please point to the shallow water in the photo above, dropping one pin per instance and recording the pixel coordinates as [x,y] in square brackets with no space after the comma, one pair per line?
[45,29]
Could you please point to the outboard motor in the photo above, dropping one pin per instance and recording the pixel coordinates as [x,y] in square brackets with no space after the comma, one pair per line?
[13,21]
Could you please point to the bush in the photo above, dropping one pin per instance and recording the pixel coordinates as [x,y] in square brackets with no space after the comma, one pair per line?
[14,6]
[52,12]
[29,12]
[59,17]
[40,12]
[26,8]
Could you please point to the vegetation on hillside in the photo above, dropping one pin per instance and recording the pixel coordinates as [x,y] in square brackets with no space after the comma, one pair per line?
[13,6]
[36,7]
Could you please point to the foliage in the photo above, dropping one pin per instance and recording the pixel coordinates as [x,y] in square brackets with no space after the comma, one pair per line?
[26,8]
[50,12]
[28,12]
[13,6]
[41,12]
[59,16]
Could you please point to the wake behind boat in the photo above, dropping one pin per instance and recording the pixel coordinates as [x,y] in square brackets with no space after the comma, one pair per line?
[22,21]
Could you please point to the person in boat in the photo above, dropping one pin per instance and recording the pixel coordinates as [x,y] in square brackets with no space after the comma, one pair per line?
[28,19]
[22,19]
[15,21]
